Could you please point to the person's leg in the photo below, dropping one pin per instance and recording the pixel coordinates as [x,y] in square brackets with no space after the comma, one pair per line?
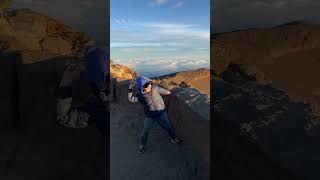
[166,124]
[147,125]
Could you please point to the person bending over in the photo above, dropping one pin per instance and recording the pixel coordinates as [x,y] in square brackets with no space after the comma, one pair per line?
[95,109]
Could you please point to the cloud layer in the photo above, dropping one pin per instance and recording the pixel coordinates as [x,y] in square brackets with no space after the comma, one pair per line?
[157,48]
[178,4]
[158,67]
[158,2]
[173,3]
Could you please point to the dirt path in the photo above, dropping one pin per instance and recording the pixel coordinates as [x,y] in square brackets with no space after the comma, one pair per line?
[164,160]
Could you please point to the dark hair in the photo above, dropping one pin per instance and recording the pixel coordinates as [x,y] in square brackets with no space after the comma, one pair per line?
[147,84]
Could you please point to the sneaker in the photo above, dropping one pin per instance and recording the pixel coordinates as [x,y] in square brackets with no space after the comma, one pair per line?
[176,141]
[141,149]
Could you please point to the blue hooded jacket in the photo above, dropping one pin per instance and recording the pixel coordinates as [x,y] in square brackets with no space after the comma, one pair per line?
[142,80]
[97,66]
[152,102]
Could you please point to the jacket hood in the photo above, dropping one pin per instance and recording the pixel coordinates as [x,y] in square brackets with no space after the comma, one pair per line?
[97,65]
[142,80]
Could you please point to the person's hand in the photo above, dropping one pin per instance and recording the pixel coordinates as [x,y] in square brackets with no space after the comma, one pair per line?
[169,92]
[70,73]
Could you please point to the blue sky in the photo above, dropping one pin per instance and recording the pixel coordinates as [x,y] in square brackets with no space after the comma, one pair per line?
[157,37]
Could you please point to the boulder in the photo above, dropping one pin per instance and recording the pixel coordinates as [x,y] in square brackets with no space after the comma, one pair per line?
[34,31]
[120,72]
[56,45]
[29,28]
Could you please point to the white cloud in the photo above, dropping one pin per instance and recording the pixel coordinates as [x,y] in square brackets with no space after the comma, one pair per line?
[121,21]
[167,25]
[188,30]
[178,4]
[158,67]
[115,20]
[137,44]
[158,2]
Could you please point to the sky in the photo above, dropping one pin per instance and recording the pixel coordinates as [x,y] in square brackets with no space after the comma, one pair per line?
[156,37]
[232,15]
[90,16]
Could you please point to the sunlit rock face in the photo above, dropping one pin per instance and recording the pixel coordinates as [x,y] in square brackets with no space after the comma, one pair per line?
[24,29]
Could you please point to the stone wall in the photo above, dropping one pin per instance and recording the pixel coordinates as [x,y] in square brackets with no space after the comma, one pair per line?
[259,133]
[190,125]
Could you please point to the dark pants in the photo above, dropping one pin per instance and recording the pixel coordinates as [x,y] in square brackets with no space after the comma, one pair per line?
[163,121]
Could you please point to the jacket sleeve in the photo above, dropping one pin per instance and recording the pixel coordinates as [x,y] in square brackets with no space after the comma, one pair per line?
[67,115]
[131,96]
[163,91]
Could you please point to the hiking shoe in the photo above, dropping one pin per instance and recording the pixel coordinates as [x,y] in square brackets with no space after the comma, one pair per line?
[141,149]
[176,141]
